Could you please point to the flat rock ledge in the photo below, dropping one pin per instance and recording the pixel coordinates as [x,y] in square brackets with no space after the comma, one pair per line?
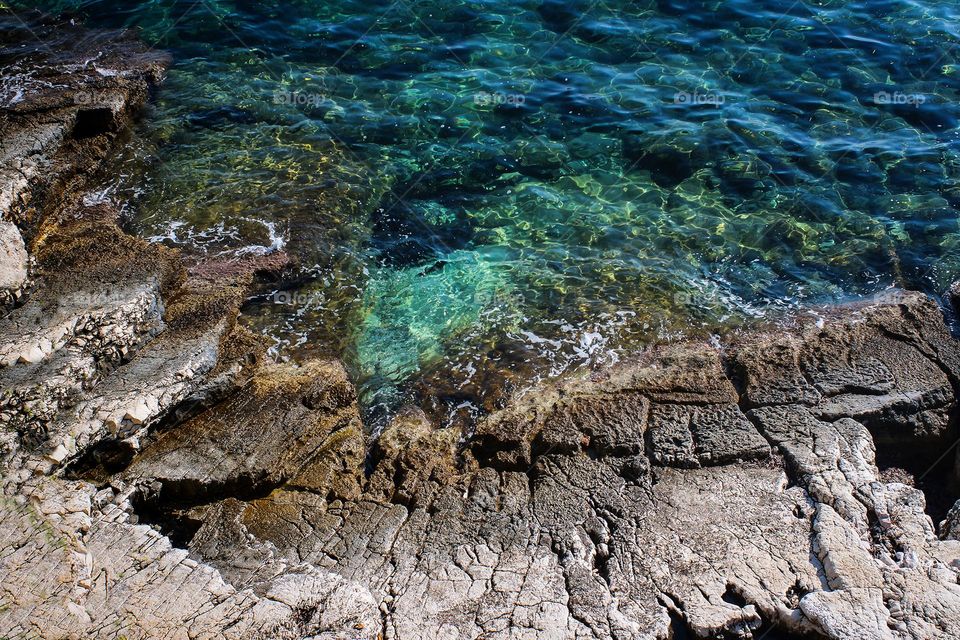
[160,480]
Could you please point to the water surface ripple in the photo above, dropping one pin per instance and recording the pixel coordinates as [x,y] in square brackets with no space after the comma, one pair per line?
[483,192]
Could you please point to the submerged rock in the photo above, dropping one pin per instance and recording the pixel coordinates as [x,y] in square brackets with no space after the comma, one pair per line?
[699,490]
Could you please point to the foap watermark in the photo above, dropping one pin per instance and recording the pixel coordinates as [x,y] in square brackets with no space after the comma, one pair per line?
[899,98]
[684,298]
[308,90]
[499,298]
[484,99]
[87,97]
[298,98]
[885,297]
[711,98]
[697,294]
[296,298]
[113,297]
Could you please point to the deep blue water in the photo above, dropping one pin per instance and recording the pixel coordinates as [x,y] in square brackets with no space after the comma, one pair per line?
[483,193]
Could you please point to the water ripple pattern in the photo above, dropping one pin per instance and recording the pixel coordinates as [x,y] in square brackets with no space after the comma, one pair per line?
[479,193]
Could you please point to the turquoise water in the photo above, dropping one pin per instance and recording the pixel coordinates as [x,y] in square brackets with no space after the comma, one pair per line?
[478,194]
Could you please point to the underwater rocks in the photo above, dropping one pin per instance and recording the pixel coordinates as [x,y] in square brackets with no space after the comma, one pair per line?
[161,481]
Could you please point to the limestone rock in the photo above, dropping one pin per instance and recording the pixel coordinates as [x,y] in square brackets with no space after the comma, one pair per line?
[289,423]
[950,527]
[14,262]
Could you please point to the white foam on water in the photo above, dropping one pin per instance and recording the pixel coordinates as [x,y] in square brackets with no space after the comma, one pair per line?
[103,196]
[277,241]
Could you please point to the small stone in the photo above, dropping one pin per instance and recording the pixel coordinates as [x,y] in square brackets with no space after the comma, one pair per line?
[139,414]
[32,356]
[59,454]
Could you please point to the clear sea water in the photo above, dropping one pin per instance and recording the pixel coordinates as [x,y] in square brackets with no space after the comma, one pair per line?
[483,193]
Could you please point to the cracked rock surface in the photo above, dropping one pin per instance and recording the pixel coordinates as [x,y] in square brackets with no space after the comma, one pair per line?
[160,480]
[686,490]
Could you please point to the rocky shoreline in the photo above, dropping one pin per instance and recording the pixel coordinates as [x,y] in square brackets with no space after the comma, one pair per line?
[161,480]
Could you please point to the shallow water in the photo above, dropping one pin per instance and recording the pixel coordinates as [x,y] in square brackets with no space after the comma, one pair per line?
[483,193]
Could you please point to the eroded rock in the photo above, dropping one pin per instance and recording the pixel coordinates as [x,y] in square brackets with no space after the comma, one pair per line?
[14,263]
[111,339]
[617,505]
[289,424]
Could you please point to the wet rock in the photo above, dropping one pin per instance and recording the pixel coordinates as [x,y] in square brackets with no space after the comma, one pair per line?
[412,459]
[289,423]
[89,316]
[895,371]
[770,373]
[72,94]
[107,343]
[608,412]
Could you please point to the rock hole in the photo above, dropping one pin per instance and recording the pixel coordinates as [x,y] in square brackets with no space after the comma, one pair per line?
[678,626]
[98,463]
[737,375]
[304,615]
[771,631]
[933,470]
[93,122]
[174,523]
[795,594]
[731,596]
[174,507]
[592,452]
